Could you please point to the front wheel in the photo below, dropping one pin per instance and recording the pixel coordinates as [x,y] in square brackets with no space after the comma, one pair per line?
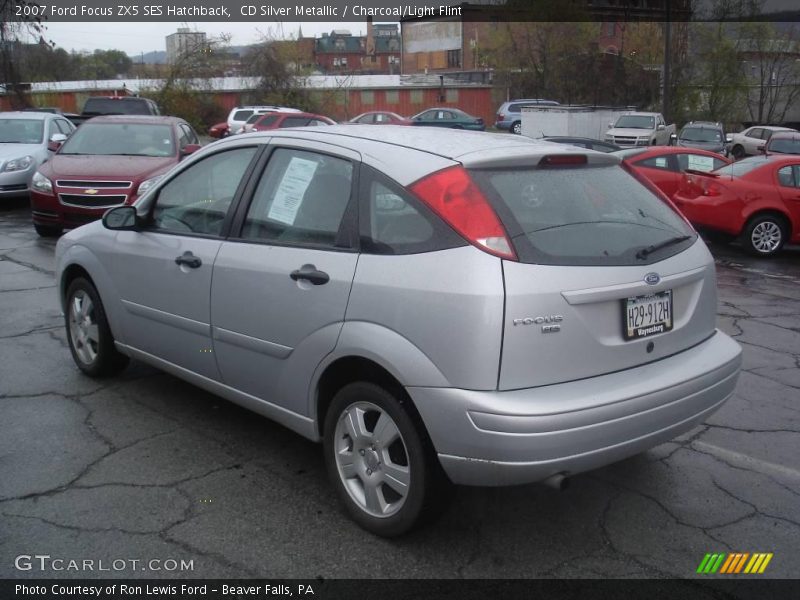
[382,465]
[88,333]
[47,230]
[764,235]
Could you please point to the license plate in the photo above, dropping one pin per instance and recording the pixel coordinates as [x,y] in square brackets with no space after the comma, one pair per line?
[647,315]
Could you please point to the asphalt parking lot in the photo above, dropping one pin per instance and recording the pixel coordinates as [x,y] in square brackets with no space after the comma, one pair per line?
[145,467]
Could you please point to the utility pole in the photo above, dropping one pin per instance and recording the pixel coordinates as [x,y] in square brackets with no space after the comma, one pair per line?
[665,96]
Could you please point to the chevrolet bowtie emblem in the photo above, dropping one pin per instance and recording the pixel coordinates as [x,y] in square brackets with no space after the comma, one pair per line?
[91,191]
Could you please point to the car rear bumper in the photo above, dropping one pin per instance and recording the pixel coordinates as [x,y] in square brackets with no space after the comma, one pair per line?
[524,436]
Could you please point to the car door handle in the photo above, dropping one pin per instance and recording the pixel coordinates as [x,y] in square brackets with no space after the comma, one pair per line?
[310,273]
[188,259]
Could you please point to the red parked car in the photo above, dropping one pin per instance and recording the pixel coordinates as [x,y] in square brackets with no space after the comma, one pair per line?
[756,198]
[107,162]
[281,120]
[664,165]
[379,117]
[220,130]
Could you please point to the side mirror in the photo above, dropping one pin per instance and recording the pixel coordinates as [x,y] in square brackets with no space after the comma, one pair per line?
[673,136]
[660,127]
[190,149]
[610,125]
[55,142]
[762,150]
[121,218]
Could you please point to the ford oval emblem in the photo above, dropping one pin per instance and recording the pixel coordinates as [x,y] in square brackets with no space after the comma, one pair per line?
[652,278]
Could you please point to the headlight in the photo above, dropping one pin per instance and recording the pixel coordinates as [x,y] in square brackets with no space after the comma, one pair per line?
[147,184]
[18,164]
[42,184]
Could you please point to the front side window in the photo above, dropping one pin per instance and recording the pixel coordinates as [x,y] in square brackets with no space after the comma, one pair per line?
[197,200]
[301,199]
[583,216]
[121,139]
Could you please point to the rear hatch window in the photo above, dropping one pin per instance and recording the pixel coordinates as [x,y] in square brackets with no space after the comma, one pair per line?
[112,106]
[588,215]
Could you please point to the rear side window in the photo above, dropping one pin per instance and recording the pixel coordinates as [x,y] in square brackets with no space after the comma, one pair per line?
[242,115]
[583,216]
[294,122]
[265,121]
[393,221]
[655,162]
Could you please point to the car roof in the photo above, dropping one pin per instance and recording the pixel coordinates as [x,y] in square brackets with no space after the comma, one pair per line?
[772,127]
[662,150]
[30,115]
[395,149]
[138,119]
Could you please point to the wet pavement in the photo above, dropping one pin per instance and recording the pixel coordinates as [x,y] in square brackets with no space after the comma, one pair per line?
[145,467]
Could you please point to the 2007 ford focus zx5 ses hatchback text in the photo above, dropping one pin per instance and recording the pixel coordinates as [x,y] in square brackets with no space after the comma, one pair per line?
[436,307]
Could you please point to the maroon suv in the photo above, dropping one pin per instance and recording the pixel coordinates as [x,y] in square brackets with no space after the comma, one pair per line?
[107,162]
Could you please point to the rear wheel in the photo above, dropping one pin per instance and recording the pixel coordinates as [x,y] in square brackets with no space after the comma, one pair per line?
[384,469]
[516,127]
[47,230]
[737,152]
[718,237]
[765,235]
[88,333]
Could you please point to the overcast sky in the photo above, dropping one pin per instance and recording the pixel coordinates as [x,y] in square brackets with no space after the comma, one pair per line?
[128,36]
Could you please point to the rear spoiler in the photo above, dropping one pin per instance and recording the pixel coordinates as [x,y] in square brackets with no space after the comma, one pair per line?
[705,173]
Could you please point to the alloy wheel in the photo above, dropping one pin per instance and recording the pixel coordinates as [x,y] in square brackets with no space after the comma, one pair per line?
[372,459]
[83,330]
[766,237]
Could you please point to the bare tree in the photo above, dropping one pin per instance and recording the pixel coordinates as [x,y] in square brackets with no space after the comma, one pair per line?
[771,60]
[18,19]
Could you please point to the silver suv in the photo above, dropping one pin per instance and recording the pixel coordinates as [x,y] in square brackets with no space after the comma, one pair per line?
[436,307]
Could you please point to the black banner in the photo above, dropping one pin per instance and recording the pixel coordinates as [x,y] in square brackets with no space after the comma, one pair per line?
[258,11]
[359,589]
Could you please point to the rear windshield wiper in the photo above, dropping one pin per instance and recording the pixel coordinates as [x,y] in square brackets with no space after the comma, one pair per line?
[645,252]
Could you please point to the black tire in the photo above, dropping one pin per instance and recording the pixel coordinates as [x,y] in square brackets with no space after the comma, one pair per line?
[98,357]
[764,235]
[48,230]
[371,459]
[737,152]
[516,128]
[718,237]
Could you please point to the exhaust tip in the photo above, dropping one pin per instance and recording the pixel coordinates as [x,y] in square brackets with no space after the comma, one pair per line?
[559,481]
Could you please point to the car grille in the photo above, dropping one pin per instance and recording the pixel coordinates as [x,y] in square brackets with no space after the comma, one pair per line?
[77,183]
[89,201]
[21,187]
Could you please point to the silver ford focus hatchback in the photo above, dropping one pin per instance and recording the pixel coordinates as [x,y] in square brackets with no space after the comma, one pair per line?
[436,307]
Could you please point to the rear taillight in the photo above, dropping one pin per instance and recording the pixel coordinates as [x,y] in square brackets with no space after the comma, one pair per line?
[711,188]
[452,195]
[500,118]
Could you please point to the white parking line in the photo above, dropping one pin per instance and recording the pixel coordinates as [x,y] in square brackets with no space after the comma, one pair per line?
[745,461]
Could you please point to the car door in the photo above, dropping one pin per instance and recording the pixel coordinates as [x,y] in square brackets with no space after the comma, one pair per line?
[789,188]
[662,171]
[282,281]
[752,140]
[163,272]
